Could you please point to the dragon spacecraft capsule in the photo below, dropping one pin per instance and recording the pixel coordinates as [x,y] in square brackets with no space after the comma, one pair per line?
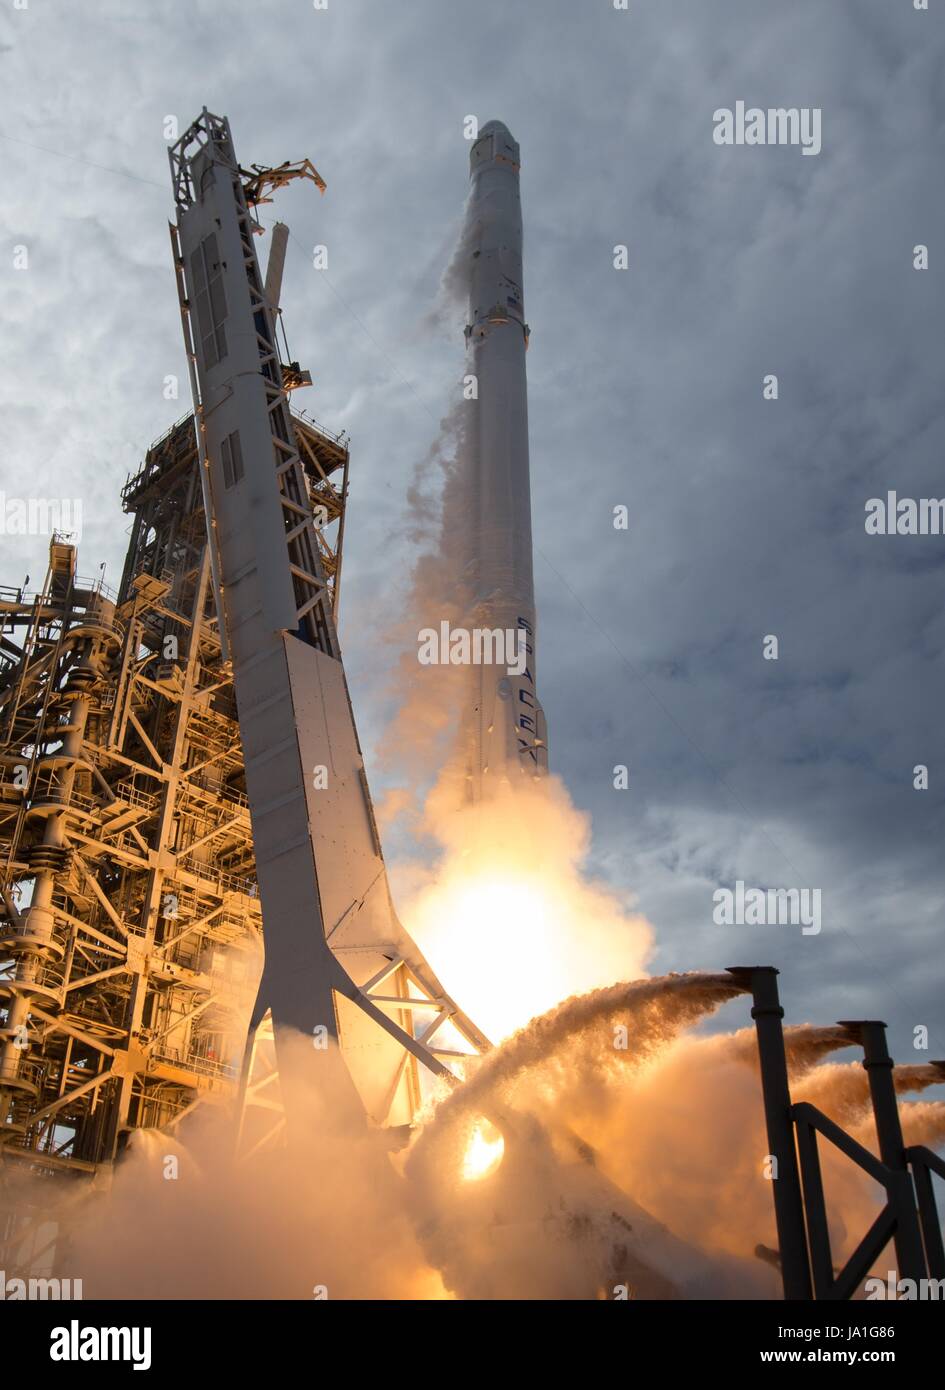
[507,735]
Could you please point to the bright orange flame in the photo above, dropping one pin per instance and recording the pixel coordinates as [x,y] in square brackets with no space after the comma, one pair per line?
[503,938]
[508,918]
[483,1153]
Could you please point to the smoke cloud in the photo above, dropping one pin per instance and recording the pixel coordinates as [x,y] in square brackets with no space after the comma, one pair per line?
[625,1153]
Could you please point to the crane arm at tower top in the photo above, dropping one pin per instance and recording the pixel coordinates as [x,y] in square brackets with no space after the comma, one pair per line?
[209,135]
[259,181]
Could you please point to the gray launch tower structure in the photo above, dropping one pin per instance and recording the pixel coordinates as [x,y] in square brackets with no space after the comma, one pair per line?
[179,760]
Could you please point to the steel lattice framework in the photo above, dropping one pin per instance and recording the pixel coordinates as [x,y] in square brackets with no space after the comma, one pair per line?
[130,927]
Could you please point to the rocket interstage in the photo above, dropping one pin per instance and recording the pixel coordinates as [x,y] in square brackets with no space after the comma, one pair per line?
[507,735]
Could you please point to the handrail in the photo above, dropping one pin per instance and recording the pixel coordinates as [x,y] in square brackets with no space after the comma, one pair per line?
[805,1113]
[920,1154]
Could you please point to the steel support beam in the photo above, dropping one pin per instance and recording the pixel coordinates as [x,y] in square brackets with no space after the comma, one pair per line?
[871,1035]
[761,981]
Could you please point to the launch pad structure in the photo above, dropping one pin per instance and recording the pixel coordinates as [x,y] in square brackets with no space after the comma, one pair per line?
[132,890]
[179,762]
[131,922]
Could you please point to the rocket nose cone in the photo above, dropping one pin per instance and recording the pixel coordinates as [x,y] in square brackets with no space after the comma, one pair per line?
[494,142]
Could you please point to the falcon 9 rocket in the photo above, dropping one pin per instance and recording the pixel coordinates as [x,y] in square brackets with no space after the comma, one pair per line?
[506,735]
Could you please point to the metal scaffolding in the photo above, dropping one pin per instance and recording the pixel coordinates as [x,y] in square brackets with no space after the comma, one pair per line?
[131,923]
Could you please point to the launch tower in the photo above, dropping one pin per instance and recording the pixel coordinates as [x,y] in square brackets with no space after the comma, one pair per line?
[153,811]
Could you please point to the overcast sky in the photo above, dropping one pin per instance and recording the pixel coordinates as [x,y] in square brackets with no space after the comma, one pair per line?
[746,516]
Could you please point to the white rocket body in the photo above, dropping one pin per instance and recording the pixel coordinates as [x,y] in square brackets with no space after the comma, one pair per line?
[506,726]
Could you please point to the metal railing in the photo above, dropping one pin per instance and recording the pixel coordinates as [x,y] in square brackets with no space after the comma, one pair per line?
[203,1066]
[146,801]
